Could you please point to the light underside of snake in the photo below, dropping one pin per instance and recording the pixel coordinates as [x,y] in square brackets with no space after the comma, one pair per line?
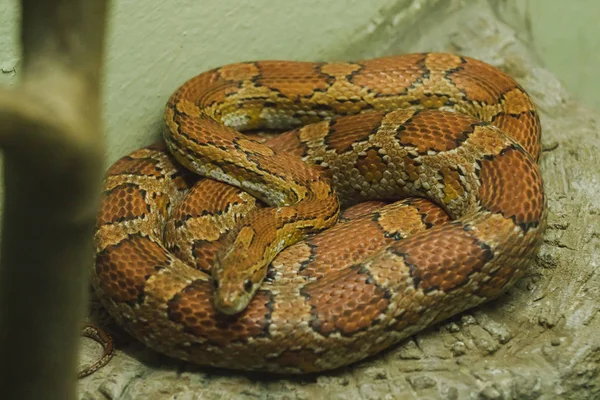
[454,139]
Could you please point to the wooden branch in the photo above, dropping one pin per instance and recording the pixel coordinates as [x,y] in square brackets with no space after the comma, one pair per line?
[51,133]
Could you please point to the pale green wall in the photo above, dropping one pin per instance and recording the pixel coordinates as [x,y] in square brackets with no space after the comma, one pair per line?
[8,49]
[154,45]
[153,49]
[567,37]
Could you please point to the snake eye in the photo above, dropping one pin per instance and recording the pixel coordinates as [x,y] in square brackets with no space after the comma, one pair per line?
[248,285]
[215,283]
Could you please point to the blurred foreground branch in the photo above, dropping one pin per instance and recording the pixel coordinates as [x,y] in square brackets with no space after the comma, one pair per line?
[51,134]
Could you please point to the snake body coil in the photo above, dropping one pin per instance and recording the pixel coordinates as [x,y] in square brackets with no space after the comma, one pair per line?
[454,139]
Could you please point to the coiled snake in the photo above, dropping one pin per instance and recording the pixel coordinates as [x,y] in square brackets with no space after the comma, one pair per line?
[453,137]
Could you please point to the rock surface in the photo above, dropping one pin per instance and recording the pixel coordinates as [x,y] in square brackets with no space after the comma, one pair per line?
[539,341]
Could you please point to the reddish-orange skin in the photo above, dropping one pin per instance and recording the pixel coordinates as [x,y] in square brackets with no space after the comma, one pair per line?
[472,219]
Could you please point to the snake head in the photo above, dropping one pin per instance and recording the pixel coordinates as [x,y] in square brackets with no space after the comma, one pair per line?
[237,273]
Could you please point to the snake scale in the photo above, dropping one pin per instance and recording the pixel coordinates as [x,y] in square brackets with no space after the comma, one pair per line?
[432,157]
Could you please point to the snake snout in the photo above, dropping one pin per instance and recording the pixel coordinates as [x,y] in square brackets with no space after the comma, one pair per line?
[231,298]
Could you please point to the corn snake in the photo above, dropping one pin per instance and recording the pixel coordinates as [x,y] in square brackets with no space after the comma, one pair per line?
[413,127]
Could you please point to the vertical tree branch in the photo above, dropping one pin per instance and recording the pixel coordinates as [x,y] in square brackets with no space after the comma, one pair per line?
[51,134]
